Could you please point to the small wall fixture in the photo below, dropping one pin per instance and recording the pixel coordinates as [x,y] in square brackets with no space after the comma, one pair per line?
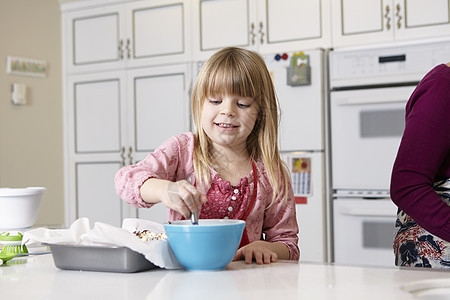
[19,93]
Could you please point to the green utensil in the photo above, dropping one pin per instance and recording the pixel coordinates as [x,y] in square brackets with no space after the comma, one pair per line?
[12,243]
[5,256]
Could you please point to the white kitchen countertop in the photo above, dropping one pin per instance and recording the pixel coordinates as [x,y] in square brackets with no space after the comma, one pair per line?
[36,277]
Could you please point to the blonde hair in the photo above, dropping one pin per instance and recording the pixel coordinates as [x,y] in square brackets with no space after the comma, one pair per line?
[240,72]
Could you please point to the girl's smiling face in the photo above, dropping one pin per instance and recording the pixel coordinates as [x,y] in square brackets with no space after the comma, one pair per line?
[229,119]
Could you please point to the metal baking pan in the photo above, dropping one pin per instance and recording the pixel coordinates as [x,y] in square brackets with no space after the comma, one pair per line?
[100,259]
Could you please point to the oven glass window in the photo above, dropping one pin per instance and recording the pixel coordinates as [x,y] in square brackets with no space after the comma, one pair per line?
[378,235]
[382,123]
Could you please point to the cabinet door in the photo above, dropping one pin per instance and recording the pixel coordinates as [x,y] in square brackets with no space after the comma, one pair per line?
[361,22]
[158,32]
[223,23]
[421,19]
[292,25]
[96,198]
[96,115]
[159,106]
[93,39]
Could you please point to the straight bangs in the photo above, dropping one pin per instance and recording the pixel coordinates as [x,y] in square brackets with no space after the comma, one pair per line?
[229,76]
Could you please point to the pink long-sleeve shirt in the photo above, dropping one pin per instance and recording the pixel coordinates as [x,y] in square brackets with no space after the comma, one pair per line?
[173,161]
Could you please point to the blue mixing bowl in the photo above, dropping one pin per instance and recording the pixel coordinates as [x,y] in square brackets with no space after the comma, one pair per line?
[210,245]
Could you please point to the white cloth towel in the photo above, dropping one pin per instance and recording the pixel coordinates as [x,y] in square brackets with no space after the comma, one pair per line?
[158,252]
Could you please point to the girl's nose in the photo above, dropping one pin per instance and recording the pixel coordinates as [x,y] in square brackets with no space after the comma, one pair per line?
[227,110]
[227,113]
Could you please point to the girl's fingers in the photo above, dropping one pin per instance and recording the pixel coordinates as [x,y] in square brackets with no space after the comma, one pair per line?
[189,200]
[259,255]
[185,198]
[188,193]
[238,255]
[176,203]
[194,199]
[249,257]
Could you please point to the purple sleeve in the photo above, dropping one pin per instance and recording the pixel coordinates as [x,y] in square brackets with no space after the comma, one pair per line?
[171,161]
[424,154]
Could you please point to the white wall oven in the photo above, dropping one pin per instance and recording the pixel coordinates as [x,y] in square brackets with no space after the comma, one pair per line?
[363,230]
[369,91]
[367,125]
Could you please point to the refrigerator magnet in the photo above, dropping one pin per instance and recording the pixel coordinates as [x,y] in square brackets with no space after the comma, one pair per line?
[299,70]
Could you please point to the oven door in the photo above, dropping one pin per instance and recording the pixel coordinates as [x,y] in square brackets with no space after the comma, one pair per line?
[363,231]
[366,129]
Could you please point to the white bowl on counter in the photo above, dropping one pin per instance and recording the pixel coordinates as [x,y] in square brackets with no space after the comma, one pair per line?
[429,289]
[19,207]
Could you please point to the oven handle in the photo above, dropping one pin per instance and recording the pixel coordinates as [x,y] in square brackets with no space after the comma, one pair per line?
[368,100]
[359,212]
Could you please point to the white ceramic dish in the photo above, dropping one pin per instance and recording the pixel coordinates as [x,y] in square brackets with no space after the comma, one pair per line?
[19,207]
[431,289]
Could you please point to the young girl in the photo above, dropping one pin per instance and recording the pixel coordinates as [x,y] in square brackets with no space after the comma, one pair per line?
[231,167]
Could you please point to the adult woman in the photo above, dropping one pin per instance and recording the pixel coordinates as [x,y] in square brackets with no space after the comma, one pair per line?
[420,183]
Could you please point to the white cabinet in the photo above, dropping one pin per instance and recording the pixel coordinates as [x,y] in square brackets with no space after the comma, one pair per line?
[94,133]
[421,19]
[132,34]
[293,25]
[358,22]
[114,119]
[266,26]
[158,105]
[127,76]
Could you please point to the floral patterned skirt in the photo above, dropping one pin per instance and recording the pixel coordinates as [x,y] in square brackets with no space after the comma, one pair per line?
[416,247]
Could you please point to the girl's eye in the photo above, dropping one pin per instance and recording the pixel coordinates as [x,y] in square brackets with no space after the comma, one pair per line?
[214,101]
[240,105]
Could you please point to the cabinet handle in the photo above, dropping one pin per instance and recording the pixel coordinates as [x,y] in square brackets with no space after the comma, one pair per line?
[398,16]
[122,155]
[121,49]
[130,157]
[252,33]
[128,49]
[261,32]
[387,17]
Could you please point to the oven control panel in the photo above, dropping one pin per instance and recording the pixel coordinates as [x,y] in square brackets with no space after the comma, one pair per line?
[393,64]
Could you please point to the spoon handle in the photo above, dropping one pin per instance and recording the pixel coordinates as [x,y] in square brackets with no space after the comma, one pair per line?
[194,215]
[194,218]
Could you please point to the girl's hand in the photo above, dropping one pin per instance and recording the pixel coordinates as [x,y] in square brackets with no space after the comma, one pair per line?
[180,196]
[261,251]
[183,197]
